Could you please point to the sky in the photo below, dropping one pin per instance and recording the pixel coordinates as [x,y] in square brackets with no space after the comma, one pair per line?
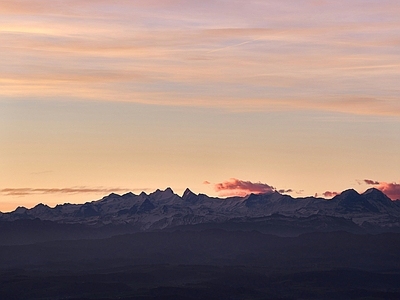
[222,97]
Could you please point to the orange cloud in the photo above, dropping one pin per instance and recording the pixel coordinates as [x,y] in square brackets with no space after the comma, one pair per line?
[391,189]
[74,190]
[236,187]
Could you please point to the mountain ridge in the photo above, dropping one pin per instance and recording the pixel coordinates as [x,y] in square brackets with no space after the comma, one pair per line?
[163,208]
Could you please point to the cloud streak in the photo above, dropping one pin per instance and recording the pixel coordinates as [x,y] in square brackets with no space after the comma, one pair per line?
[302,59]
[71,191]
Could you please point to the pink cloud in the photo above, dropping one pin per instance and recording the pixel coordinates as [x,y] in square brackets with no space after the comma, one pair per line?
[236,187]
[391,189]
[330,194]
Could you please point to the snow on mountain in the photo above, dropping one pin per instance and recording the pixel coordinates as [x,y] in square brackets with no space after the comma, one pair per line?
[162,209]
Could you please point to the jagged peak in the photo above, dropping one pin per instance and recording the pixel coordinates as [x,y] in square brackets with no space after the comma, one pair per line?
[169,190]
[128,194]
[162,194]
[156,192]
[187,192]
[188,195]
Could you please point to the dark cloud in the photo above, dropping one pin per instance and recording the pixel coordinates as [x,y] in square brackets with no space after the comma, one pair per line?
[371,182]
[285,191]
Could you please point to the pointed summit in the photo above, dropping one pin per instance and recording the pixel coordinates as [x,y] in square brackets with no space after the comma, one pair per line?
[188,195]
[169,190]
[187,192]
[162,195]
[156,193]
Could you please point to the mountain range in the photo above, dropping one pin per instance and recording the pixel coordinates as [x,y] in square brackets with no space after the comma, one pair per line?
[369,212]
[165,246]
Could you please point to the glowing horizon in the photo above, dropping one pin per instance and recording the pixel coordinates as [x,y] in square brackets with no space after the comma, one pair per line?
[149,94]
[229,188]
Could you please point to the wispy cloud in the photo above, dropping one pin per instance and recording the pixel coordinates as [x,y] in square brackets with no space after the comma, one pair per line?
[303,58]
[72,190]
[41,172]
[236,187]
[391,189]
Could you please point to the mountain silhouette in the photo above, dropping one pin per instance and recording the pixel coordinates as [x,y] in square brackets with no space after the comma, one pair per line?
[369,212]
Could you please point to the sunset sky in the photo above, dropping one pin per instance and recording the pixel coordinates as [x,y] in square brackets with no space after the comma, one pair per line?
[223,97]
